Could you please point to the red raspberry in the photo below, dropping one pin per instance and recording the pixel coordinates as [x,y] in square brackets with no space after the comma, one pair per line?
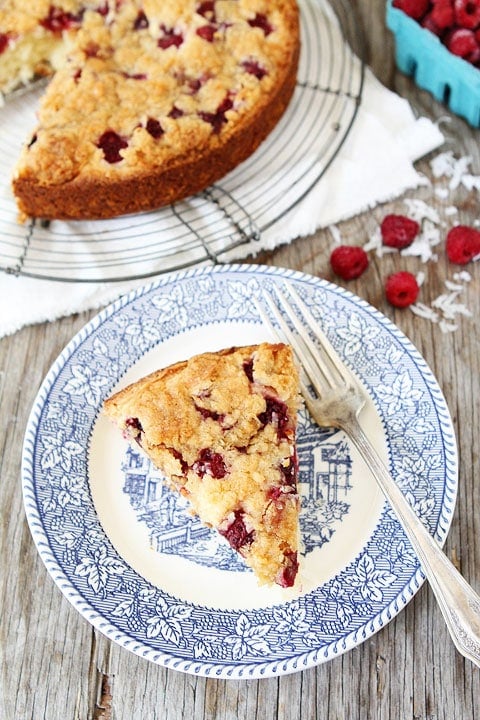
[463,244]
[429,24]
[414,8]
[462,42]
[349,261]
[443,14]
[398,231]
[401,289]
[467,13]
[4,42]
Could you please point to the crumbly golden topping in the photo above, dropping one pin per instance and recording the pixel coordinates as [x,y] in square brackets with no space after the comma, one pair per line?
[148,81]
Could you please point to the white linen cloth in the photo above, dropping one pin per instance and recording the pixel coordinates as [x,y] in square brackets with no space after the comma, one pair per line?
[375,164]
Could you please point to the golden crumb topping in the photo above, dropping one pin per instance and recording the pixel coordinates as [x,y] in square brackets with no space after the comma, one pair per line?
[143,85]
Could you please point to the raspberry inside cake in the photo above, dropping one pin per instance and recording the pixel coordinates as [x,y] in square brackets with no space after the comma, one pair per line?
[152,100]
[221,427]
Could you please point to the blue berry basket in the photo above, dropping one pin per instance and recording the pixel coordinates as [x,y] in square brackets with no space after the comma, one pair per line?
[450,79]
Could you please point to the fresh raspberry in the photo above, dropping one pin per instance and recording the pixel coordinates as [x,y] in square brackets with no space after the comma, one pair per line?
[349,261]
[398,231]
[414,8]
[443,14]
[463,244]
[467,13]
[462,42]
[401,289]
[429,23]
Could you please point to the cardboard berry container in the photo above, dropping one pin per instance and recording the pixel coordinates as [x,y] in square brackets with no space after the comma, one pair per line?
[420,54]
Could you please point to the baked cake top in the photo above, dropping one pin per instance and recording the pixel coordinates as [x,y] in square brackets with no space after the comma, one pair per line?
[148,81]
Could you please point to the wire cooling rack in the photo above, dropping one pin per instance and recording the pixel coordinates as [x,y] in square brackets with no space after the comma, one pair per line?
[227,220]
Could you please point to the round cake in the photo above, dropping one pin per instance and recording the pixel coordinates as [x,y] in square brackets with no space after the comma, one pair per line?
[155,100]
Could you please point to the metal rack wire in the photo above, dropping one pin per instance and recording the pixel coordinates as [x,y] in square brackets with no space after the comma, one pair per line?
[227,220]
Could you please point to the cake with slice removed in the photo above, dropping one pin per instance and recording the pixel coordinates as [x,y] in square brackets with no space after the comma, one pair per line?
[221,427]
[151,100]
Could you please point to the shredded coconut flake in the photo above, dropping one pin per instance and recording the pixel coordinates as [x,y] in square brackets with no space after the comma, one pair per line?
[442,164]
[421,247]
[451,210]
[447,304]
[447,307]
[447,327]
[454,287]
[471,182]
[446,165]
[462,276]
[420,278]
[424,311]
[374,242]
[336,234]
[419,210]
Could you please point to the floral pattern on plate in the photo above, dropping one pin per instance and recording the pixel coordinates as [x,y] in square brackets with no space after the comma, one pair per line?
[63,464]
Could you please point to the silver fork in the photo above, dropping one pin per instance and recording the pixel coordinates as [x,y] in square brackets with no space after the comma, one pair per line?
[335,398]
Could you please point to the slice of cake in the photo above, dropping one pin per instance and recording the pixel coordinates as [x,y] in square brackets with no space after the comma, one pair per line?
[153,100]
[221,427]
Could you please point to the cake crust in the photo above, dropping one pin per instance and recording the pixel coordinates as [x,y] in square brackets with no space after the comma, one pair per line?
[221,427]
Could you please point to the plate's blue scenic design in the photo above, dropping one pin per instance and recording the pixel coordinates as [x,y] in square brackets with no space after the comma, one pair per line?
[134,562]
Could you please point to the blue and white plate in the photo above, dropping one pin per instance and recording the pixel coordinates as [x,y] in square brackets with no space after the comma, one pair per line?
[132,560]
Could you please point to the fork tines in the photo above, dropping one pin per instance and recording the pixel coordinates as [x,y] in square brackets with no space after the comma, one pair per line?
[315,358]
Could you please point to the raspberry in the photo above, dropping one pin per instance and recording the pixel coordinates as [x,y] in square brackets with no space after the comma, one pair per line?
[260,21]
[141,21]
[169,38]
[236,533]
[207,10]
[58,20]
[276,413]
[349,261]
[287,575]
[398,231]
[111,143]
[210,463]
[462,42]
[442,14]
[463,244]
[414,8]
[429,23]
[207,32]
[4,42]
[217,119]
[154,128]
[254,68]
[401,289]
[467,13]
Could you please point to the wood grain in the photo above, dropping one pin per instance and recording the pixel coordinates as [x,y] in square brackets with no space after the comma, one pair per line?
[55,666]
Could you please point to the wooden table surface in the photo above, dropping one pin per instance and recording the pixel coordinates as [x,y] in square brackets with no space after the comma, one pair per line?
[56,666]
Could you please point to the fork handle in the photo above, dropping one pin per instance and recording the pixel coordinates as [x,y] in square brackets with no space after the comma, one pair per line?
[459,603]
